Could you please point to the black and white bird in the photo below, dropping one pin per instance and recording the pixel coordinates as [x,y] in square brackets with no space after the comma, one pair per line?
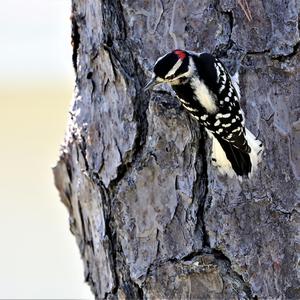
[207,91]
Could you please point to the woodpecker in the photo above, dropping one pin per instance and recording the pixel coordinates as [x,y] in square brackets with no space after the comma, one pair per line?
[211,96]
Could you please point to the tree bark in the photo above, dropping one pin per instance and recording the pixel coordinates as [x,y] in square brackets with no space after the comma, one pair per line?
[152,218]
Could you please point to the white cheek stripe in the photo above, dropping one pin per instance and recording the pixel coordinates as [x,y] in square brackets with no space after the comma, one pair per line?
[187,74]
[174,69]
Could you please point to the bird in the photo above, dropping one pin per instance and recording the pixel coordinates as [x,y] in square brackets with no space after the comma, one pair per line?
[211,96]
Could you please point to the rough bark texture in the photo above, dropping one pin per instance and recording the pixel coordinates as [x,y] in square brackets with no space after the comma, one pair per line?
[151,217]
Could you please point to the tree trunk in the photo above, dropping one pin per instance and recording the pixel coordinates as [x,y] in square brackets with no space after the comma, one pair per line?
[152,218]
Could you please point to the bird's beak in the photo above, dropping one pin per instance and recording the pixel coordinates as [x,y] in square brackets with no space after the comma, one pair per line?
[151,84]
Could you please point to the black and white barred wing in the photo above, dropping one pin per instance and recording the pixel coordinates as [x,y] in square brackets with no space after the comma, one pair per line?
[230,122]
[239,144]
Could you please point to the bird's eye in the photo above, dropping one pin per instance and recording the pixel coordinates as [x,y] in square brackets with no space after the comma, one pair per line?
[171,77]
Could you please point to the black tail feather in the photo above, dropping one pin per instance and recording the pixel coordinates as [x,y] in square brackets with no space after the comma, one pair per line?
[239,160]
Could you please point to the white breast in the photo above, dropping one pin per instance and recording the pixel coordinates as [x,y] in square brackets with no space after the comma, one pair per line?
[203,95]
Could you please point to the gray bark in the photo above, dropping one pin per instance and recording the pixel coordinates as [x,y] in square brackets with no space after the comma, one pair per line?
[151,216]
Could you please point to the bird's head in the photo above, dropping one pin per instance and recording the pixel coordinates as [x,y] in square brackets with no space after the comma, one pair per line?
[173,68]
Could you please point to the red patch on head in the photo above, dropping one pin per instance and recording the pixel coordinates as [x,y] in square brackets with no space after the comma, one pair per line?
[181,54]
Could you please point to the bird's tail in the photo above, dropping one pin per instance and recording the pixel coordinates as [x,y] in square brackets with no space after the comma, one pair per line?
[232,161]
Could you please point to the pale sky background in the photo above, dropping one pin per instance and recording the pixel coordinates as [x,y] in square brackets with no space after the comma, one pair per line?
[39,258]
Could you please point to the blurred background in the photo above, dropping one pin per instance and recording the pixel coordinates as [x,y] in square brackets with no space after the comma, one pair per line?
[39,257]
